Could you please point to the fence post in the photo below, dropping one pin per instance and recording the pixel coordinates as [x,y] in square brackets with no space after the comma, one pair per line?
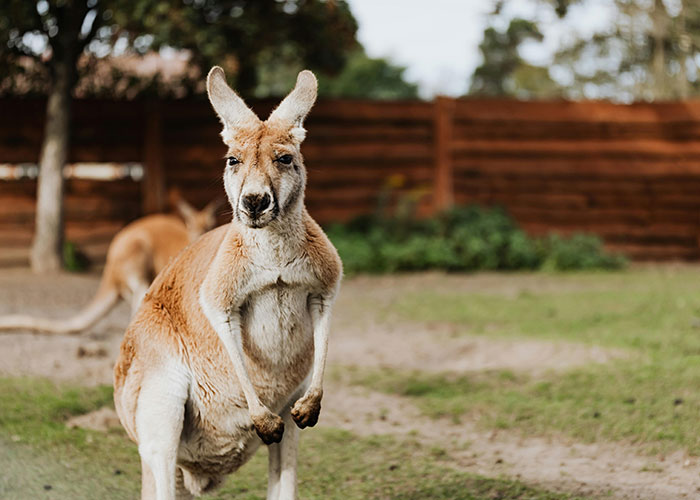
[153,185]
[443,118]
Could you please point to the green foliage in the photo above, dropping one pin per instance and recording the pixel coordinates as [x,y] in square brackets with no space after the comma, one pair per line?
[647,51]
[579,252]
[503,71]
[361,77]
[368,78]
[73,258]
[461,239]
[237,35]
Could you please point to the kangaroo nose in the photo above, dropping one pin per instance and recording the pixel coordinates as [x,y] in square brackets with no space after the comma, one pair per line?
[254,204]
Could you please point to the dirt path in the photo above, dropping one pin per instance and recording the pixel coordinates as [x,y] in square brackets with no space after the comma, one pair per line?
[361,339]
[600,469]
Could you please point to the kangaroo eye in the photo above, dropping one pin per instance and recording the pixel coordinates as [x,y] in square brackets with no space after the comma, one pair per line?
[285,159]
[231,161]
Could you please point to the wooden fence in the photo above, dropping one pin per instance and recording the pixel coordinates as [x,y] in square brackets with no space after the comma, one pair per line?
[629,173]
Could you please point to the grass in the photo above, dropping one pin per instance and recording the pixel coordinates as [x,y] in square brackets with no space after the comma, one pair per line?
[41,458]
[652,311]
[635,404]
[650,397]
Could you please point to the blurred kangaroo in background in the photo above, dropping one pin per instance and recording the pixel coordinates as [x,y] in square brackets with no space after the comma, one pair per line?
[135,256]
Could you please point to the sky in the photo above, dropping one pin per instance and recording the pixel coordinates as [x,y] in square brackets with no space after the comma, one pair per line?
[438,40]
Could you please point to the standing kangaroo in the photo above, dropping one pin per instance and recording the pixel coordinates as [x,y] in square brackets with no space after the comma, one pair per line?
[135,256]
[232,336]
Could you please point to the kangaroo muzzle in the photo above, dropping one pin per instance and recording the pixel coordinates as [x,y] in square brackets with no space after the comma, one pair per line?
[256,209]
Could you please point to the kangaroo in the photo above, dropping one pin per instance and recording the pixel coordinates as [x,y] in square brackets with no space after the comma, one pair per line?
[135,256]
[229,347]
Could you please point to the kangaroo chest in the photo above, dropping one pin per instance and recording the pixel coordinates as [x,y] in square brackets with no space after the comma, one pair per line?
[276,325]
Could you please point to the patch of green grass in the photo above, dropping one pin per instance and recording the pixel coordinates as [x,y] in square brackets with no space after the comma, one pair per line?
[654,312]
[34,410]
[624,402]
[37,452]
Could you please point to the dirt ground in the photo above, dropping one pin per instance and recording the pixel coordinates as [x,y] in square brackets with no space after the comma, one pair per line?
[362,337]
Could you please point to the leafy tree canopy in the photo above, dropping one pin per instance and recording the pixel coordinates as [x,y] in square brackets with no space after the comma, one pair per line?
[362,77]
[649,50]
[366,77]
[503,71]
[231,33]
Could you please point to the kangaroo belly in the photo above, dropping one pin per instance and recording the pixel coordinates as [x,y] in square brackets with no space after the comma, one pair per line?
[212,446]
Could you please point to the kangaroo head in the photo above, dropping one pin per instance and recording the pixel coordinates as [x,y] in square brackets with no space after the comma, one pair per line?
[197,222]
[264,175]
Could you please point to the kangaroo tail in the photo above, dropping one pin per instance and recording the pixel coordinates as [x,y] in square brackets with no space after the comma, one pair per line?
[104,300]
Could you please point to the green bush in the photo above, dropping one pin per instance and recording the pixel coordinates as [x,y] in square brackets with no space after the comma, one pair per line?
[580,251]
[462,239]
[73,259]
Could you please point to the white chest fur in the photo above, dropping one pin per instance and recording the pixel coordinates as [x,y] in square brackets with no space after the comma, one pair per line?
[275,322]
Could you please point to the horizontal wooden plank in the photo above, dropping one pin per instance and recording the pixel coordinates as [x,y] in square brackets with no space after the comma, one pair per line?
[591,148]
[527,131]
[579,111]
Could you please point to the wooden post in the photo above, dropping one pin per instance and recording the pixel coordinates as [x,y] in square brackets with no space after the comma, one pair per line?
[443,192]
[153,185]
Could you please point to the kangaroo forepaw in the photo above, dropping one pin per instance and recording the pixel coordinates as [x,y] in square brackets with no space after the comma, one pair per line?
[306,410]
[270,427]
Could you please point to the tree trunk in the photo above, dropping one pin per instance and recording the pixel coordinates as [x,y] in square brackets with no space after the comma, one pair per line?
[659,34]
[684,46]
[46,253]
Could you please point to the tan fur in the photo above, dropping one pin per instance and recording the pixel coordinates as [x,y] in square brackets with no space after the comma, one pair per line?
[135,256]
[265,283]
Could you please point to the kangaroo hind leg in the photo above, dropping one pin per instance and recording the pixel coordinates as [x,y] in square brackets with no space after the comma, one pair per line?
[282,463]
[160,414]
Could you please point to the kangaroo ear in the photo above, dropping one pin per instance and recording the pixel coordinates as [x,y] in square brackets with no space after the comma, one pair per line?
[214,205]
[231,109]
[293,109]
[186,210]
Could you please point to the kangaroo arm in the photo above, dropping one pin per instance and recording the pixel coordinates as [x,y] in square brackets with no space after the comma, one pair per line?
[306,410]
[227,326]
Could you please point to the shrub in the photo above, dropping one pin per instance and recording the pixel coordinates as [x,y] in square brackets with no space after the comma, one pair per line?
[461,239]
[73,258]
[580,251]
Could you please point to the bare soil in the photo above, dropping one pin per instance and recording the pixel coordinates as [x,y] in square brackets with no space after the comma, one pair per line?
[361,338]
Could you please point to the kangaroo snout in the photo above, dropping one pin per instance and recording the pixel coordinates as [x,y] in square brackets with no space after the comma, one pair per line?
[254,204]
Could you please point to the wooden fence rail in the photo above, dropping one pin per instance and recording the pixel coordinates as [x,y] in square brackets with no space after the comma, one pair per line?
[630,173]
